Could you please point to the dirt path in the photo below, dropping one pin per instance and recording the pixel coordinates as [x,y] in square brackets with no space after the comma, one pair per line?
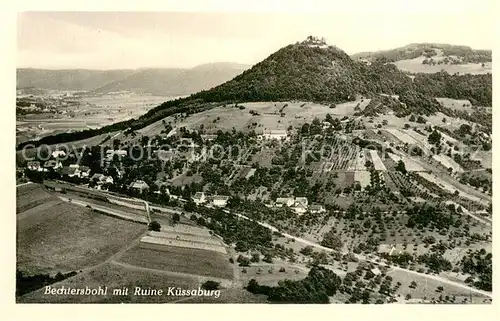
[22,184]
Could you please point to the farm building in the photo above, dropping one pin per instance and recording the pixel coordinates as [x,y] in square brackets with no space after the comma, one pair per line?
[140,186]
[70,171]
[300,206]
[390,249]
[34,166]
[58,153]
[100,179]
[111,153]
[246,172]
[274,134]
[199,198]
[53,164]
[288,201]
[301,201]
[316,208]
[84,171]
[220,200]
[208,137]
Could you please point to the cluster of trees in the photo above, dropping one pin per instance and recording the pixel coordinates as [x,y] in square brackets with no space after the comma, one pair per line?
[421,216]
[436,262]
[475,180]
[29,283]
[319,284]
[246,234]
[332,240]
[479,264]
[476,88]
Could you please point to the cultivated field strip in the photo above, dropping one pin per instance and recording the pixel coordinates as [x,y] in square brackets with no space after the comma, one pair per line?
[183,229]
[410,164]
[377,162]
[447,162]
[185,237]
[199,244]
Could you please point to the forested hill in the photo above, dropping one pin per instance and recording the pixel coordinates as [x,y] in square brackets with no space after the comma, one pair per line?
[312,71]
[307,71]
[463,53]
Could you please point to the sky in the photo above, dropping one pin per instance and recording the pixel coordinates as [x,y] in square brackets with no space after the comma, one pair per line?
[129,40]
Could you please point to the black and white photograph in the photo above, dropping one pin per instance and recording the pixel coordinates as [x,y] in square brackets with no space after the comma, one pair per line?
[327,157]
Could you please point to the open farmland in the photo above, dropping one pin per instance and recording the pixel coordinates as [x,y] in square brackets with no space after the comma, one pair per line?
[447,186]
[179,259]
[415,65]
[61,236]
[258,115]
[455,104]
[271,274]
[85,113]
[410,164]
[448,162]
[485,157]
[32,195]
[115,276]
[184,240]
[363,177]
[427,288]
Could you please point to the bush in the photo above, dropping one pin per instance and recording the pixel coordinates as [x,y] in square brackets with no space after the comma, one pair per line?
[210,285]
[154,226]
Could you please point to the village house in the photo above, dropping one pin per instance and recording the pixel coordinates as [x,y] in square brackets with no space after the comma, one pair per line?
[298,204]
[101,179]
[287,201]
[139,186]
[208,137]
[58,153]
[199,198]
[111,153]
[70,171]
[274,134]
[316,208]
[84,171]
[34,166]
[220,200]
[52,164]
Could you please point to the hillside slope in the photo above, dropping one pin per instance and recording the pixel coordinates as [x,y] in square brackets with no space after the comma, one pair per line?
[313,71]
[309,71]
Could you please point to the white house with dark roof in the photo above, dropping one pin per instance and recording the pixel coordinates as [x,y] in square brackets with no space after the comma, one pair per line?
[274,134]
[220,200]
[100,179]
[285,201]
[58,153]
[199,198]
[317,208]
[84,171]
[53,164]
[34,166]
[140,186]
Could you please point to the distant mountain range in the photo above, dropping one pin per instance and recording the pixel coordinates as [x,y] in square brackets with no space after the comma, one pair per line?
[156,81]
